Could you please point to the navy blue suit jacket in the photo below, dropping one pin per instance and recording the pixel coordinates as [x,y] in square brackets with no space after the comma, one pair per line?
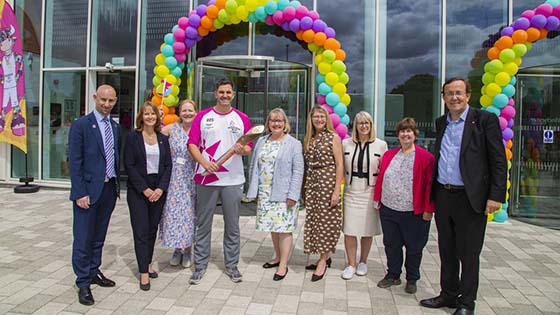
[86,158]
[135,162]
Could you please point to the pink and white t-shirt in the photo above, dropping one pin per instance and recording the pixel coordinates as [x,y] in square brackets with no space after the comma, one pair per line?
[214,134]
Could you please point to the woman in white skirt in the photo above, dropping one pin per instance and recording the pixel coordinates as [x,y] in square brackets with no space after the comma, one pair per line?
[362,154]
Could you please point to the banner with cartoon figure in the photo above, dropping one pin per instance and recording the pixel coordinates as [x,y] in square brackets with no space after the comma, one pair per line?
[12,83]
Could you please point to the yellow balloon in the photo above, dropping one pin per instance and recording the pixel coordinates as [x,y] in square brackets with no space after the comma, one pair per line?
[331,78]
[162,71]
[502,78]
[339,88]
[485,100]
[490,217]
[242,12]
[175,90]
[318,59]
[171,79]
[493,89]
[343,78]
[511,68]
[160,59]
[345,99]
[251,5]
[324,68]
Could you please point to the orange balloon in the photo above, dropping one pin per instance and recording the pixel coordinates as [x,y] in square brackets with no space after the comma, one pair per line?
[299,34]
[509,155]
[308,36]
[171,109]
[202,31]
[340,54]
[504,42]
[519,36]
[543,32]
[206,22]
[169,119]
[533,34]
[332,44]
[509,144]
[221,4]
[319,38]
[212,11]
[493,53]
[156,99]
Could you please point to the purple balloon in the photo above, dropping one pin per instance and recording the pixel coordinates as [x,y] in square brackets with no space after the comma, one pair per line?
[211,2]
[329,31]
[286,26]
[190,42]
[194,20]
[294,25]
[510,123]
[319,26]
[521,24]
[507,31]
[306,23]
[552,23]
[507,134]
[191,32]
[201,10]
[538,21]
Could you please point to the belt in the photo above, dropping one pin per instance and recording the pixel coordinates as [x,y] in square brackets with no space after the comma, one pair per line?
[359,175]
[452,187]
[107,179]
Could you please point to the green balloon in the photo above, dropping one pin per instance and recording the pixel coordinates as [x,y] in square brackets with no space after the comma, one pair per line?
[329,55]
[338,66]
[487,78]
[507,55]
[519,49]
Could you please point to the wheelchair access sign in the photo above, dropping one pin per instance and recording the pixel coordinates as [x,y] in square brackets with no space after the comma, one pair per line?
[548,136]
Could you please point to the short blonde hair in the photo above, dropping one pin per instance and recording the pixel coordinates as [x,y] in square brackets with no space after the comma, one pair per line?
[278,112]
[310,129]
[140,116]
[181,104]
[363,115]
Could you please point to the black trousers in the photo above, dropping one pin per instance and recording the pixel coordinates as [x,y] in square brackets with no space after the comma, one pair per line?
[408,230]
[144,218]
[460,239]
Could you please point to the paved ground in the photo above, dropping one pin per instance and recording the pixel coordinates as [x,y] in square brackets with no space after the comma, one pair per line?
[520,271]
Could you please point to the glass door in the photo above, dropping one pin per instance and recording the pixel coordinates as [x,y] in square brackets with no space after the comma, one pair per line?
[536,163]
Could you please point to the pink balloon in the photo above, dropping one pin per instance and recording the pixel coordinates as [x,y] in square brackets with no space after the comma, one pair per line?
[278,17]
[503,123]
[183,22]
[556,11]
[544,9]
[342,130]
[328,108]
[313,14]
[180,57]
[289,13]
[321,99]
[528,14]
[179,34]
[179,47]
[268,20]
[301,12]
[511,102]
[507,112]
[335,119]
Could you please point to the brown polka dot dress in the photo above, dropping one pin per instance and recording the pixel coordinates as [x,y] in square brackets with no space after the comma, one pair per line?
[322,222]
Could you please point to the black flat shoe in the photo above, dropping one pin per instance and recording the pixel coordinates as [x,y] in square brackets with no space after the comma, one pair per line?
[153,274]
[438,302]
[278,277]
[84,296]
[315,277]
[145,287]
[102,281]
[314,266]
[268,265]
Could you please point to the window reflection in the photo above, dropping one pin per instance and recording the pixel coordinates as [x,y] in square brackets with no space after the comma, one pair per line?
[282,45]
[65,33]
[229,40]
[63,102]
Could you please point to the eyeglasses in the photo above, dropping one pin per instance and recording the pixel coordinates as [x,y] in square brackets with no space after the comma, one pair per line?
[276,121]
[454,93]
[363,123]
[322,117]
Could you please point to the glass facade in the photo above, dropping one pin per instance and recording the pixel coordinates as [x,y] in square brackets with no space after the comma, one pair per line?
[398,54]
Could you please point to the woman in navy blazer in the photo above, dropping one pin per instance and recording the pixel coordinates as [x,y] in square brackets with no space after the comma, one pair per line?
[276,176]
[147,159]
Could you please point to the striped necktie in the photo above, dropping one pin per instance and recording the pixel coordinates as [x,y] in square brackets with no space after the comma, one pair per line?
[109,149]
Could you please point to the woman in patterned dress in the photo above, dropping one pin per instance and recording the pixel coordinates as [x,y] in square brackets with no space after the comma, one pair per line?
[178,220]
[276,175]
[323,175]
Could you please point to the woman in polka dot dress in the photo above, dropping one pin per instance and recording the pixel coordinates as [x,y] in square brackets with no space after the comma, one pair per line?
[323,175]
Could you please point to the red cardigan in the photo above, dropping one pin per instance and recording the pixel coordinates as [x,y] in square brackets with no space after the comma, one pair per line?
[421,178]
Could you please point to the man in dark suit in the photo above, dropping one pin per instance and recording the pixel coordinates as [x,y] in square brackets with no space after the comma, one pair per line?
[93,156]
[469,183]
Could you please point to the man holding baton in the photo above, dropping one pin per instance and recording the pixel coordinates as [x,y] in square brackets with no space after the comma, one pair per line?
[215,131]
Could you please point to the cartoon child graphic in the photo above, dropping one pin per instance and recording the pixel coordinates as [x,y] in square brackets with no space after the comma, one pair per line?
[10,73]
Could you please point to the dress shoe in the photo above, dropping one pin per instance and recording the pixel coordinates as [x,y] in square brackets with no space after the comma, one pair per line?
[314,266]
[144,287]
[410,287]
[463,311]
[84,296]
[439,301]
[268,265]
[315,277]
[278,277]
[153,274]
[102,281]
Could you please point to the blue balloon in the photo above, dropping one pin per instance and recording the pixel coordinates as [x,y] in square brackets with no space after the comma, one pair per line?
[493,109]
[500,100]
[345,119]
[260,13]
[174,28]
[167,51]
[500,216]
[177,72]
[169,39]
[282,4]
[319,78]
[296,4]
[253,18]
[333,99]
[513,80]
[340,109]
[270,7]
[170,62]
[508,90]
[324,89]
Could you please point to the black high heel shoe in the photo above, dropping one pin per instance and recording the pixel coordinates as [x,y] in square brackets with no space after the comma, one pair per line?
[278,277]
[314,266]
[315,277]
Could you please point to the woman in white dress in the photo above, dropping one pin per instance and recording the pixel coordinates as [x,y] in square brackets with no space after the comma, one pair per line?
[362,154]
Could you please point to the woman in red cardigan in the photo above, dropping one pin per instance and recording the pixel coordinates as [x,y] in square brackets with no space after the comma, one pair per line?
[402,195]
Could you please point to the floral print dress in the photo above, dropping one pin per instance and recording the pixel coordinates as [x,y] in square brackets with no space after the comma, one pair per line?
[272,216]
[178,219]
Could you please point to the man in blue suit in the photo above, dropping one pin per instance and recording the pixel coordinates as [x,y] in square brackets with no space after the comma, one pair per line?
[93,155]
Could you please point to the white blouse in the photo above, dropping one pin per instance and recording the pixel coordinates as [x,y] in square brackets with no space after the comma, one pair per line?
[152,158]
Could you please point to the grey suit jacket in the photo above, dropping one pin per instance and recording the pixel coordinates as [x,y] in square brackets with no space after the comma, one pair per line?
[288,170]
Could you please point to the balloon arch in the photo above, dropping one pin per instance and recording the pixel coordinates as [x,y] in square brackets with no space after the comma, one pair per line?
[291,16]
[498,79]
